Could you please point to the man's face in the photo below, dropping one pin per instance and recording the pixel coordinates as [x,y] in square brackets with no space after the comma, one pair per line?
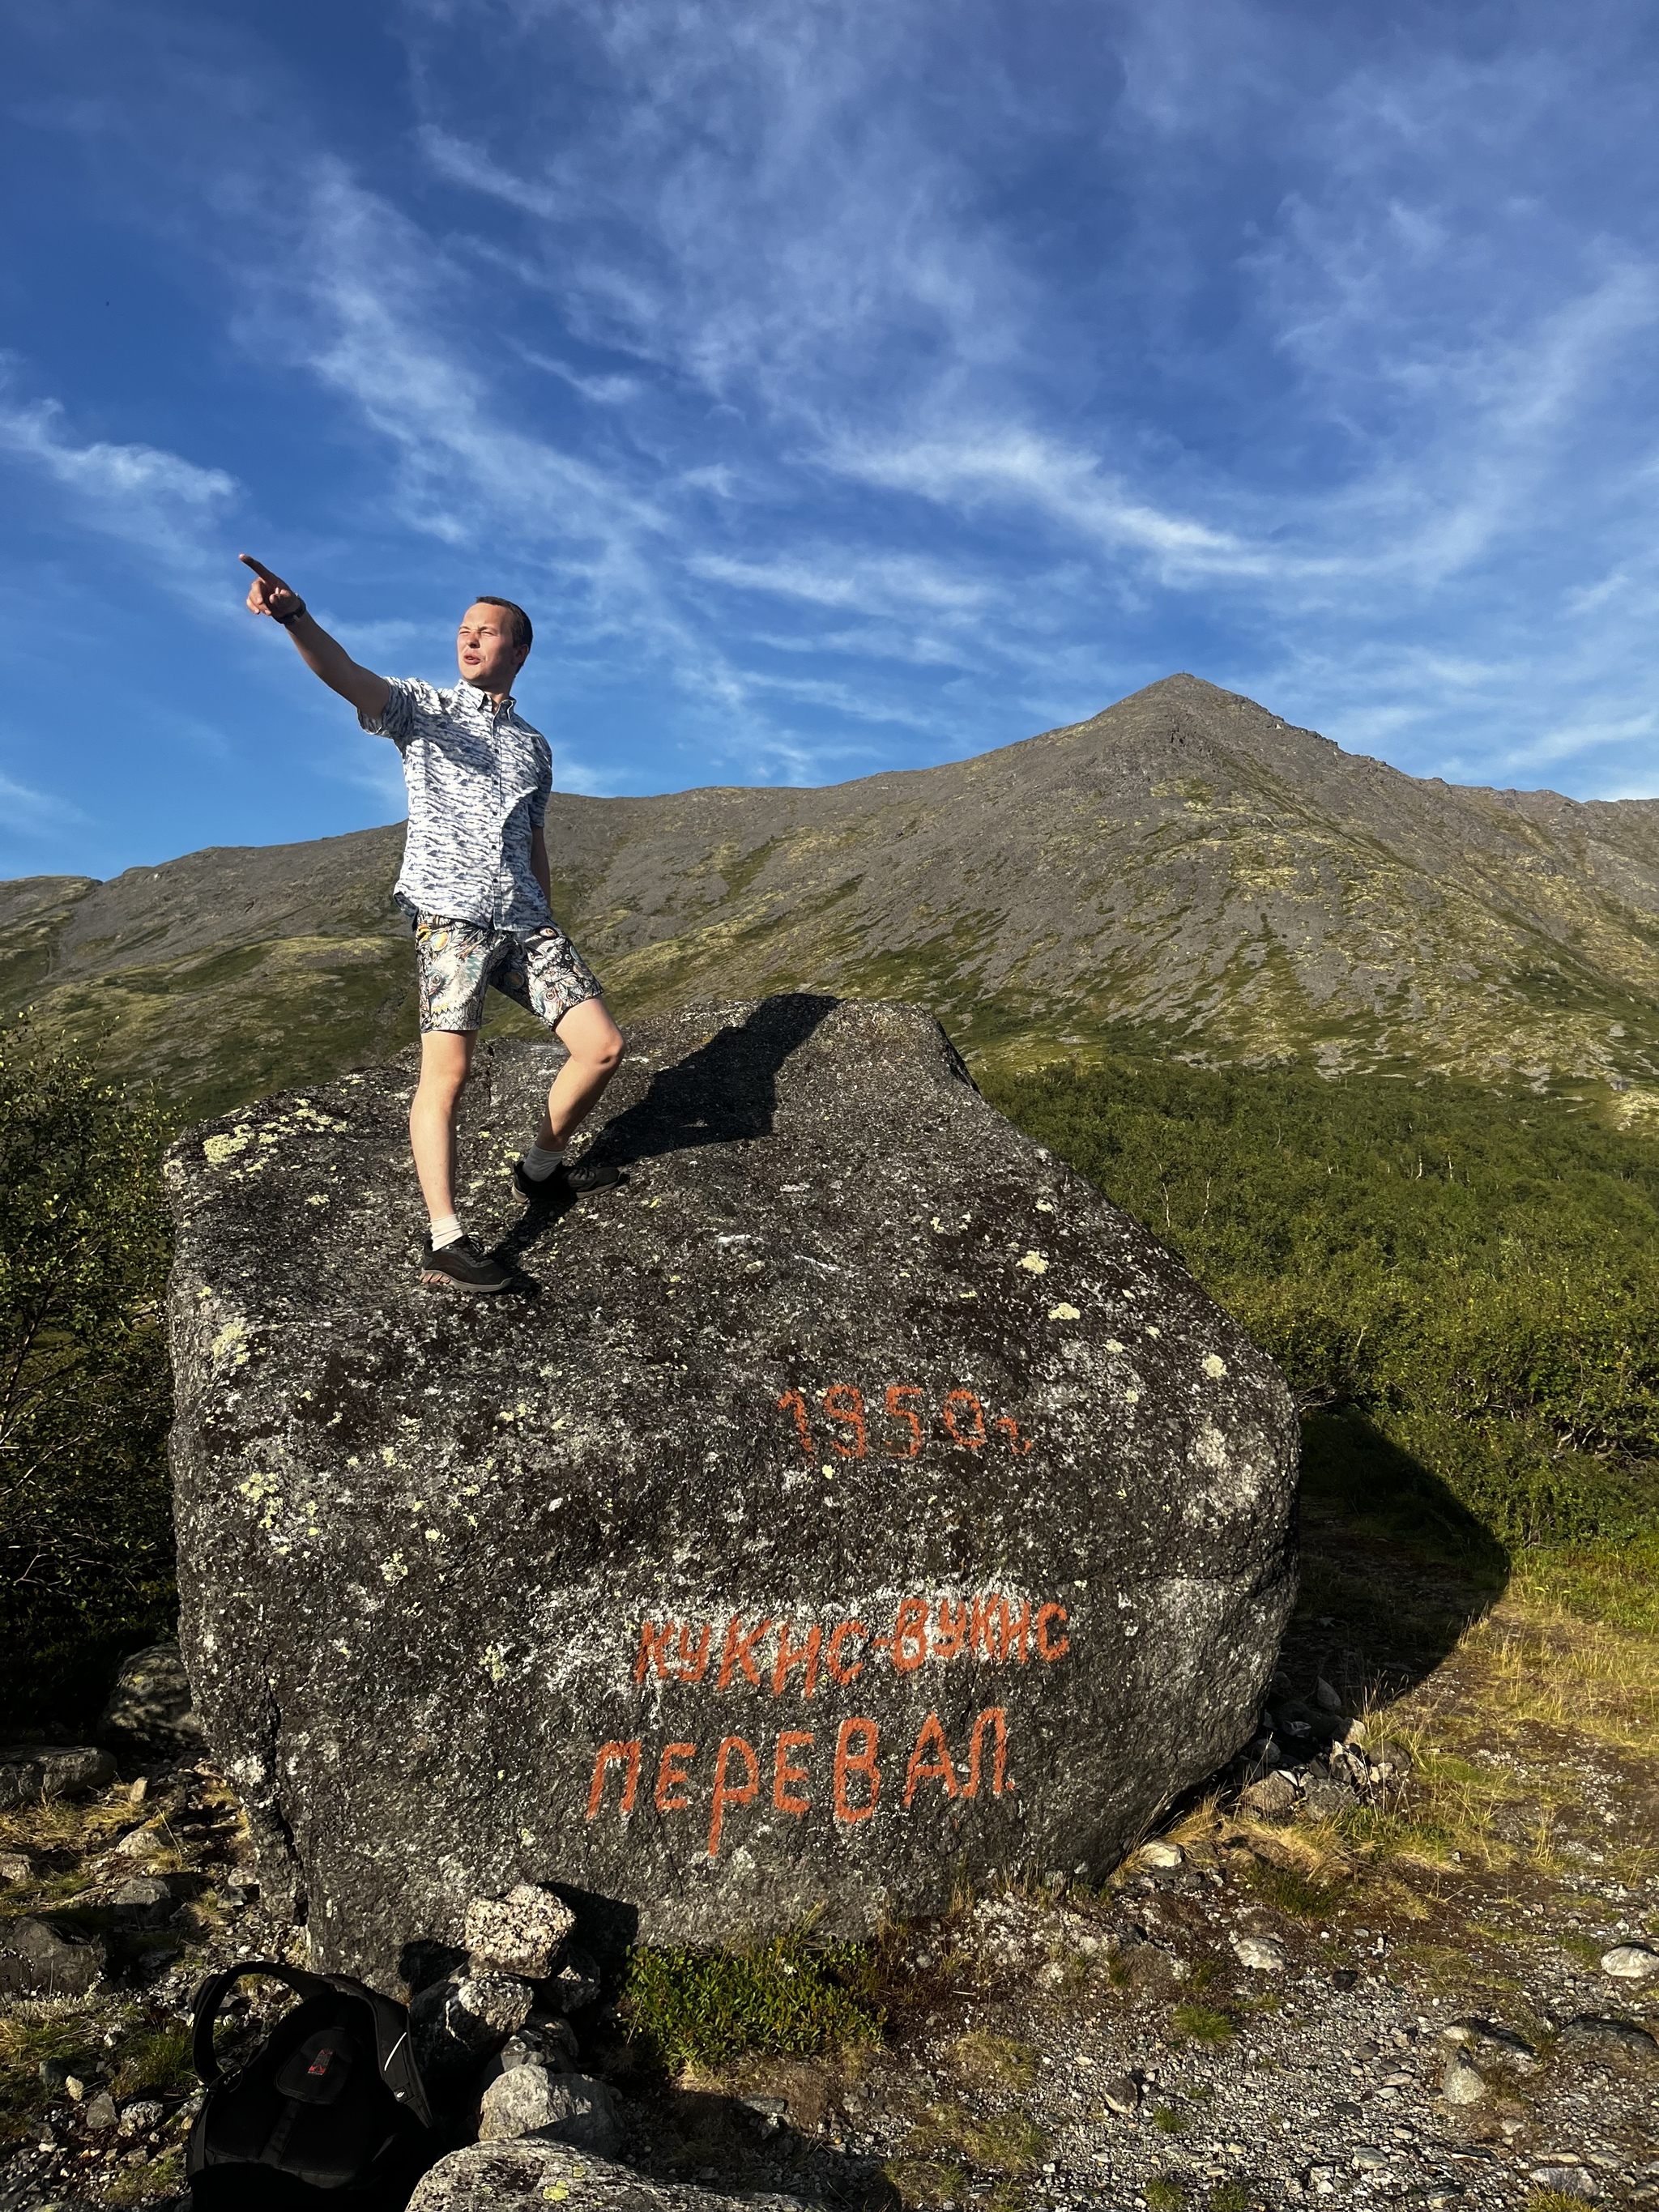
[485,650]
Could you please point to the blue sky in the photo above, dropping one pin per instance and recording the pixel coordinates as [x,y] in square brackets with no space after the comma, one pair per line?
[842,385]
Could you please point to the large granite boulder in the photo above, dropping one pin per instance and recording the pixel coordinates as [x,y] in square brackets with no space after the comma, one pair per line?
[853,1499]
[495,2176]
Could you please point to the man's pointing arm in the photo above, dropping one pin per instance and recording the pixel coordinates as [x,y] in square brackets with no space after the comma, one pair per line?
[324,655]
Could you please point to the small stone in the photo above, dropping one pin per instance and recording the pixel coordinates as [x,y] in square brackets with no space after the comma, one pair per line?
[1326,1795]
[575,1984]
[1462,2084]
[1492,2045]
[1328,1699]
[571,2108]
[1159,1854]
[1344,1977]
[74,2088]
[1263,1954]
[1630,1962]
[48,1958]
[1611,2039]
[146,1901]
[100,2114]
[144,2113]
[1271,1798]
[15,1866]
[149,1714]
[31,1773]
[454,2024]
[1570,2180]
[557,2038]
[145,1843]
[521,1933]
[1122,2095]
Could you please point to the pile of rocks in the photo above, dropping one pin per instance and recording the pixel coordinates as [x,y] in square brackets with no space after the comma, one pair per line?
[491,2033]
[1311,1755]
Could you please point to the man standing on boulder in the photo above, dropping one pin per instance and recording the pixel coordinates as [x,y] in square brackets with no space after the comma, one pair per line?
[475,884]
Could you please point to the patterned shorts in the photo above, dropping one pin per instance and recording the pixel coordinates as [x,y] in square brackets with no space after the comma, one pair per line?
[458,961]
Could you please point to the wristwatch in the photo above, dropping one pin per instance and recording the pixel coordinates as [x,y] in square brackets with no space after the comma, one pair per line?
[286,619]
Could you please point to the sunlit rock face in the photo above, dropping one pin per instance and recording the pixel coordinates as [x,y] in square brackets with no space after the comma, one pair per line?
[853,1499]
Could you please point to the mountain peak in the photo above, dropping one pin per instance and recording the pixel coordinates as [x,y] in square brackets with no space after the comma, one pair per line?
[1185,862]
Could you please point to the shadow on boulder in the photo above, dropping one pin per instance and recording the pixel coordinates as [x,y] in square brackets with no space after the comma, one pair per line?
[724,1093]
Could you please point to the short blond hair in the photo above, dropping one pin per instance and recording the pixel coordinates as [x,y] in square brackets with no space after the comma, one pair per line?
[522,632]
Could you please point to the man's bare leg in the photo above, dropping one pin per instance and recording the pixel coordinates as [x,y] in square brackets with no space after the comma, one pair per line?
[445,1062]
[595,1045]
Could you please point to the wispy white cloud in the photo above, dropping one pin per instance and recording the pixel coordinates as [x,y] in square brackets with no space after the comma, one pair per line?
[857,578]
[27,811]
[603,391]
[904,378]
[167,506]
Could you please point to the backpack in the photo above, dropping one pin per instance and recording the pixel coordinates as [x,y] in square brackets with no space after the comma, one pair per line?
[329,2111]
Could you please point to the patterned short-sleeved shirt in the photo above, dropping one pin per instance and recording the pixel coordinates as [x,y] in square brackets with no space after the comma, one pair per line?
[478,784]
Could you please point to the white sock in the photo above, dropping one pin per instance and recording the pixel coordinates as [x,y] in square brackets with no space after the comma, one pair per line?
[446,1229]
[538,1165]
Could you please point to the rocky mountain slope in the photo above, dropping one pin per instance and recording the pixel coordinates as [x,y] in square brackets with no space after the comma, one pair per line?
[1185,864]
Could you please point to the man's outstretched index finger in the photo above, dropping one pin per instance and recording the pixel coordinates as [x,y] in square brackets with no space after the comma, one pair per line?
[258,567]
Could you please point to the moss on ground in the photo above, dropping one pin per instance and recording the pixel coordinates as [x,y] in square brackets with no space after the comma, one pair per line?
[683,2007]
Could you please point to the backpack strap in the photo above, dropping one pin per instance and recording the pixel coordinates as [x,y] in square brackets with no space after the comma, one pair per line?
[214,1991]
[392,2047]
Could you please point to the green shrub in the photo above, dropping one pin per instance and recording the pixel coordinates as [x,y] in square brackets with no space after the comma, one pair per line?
[789,1997]
[1462,1286]
[86,1567]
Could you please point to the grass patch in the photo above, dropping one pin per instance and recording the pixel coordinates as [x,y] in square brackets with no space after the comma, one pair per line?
[1230,2197]
[1201,2023]
[944,2134]
[927,2180]
[25,2044]
[789,1998]
[1008,2142]
[1168,2120]
[1165,2194]
[1581,1947]
[1297,1894]
[1000,2058]
[153,2183]
[157,2063]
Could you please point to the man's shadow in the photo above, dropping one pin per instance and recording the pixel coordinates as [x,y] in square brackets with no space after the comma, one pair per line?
[725,1092]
